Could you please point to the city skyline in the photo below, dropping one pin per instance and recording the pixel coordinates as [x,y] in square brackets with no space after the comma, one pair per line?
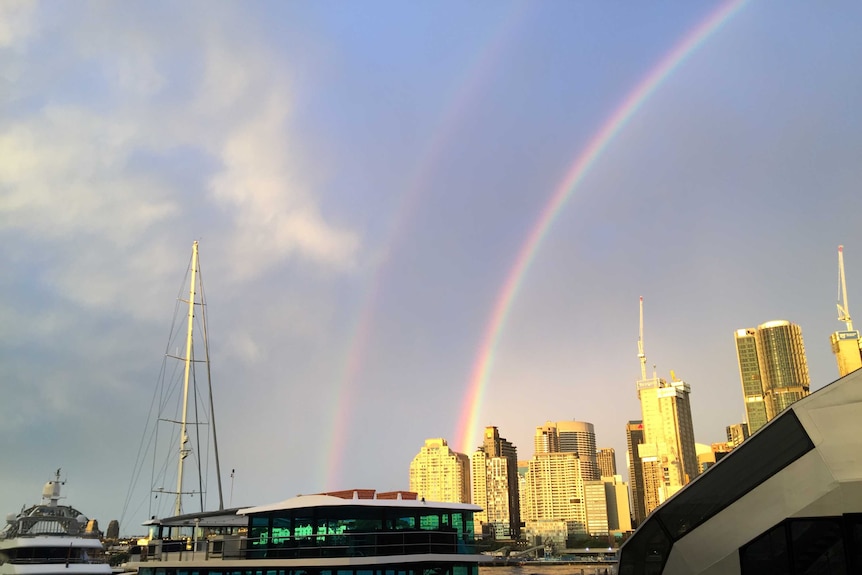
[411,217]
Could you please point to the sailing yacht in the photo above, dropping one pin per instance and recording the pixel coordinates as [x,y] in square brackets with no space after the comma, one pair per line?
[180,432]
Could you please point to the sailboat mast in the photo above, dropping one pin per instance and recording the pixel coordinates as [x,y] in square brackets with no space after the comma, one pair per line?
[184,438]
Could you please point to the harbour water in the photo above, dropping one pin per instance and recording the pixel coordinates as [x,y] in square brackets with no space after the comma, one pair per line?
[537,568]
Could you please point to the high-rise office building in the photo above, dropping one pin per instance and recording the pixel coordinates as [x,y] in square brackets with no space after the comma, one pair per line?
[607,460]
[781,369]
[570,437]
[667,454]
[783,366]
[439,474]
[495,486]
[634,437]
[749,374]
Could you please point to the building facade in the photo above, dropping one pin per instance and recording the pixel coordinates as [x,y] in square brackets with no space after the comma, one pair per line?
[554,491]
[737,433]
[571,436]
[607,460]
[617,497]
[668,456]
[773,370]
[749,375]
[439,474]
[634,437]
[495,486]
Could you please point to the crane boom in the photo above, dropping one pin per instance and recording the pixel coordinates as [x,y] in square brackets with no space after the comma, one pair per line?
[641,354]
[843,307]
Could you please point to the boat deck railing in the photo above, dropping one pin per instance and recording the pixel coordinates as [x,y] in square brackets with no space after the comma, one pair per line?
[371,544]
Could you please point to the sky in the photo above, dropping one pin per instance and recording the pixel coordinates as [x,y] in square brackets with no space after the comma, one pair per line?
[362,178]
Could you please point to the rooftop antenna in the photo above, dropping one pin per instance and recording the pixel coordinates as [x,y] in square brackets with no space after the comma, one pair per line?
[843,306]
[641,354]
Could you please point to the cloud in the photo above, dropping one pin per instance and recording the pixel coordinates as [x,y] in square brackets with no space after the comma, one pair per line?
[150,150]
[17,21]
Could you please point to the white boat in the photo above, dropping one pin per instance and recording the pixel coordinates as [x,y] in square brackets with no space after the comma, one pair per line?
[51,538]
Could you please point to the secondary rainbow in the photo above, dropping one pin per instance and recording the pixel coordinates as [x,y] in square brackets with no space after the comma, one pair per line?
[466,94]
[633,101]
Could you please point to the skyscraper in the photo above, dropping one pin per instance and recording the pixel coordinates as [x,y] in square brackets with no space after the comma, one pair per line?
[783,367]
[749,374]
[634,437]
[607,460]
[439,474]
[777,364]
[667,454]
[495,485]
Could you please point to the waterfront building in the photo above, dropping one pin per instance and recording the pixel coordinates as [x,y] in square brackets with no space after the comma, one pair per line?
[439,474]
[634,437]
[495,486]
[617,497]
[554,491]
[606,458]
[788,500]
[776,375]
[737,433]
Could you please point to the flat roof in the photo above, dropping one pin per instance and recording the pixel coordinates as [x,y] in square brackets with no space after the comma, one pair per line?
[307,501]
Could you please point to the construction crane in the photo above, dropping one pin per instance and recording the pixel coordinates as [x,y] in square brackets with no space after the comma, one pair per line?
[843,307]
[641,354]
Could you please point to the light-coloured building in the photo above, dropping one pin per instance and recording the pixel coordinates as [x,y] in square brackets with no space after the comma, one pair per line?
[554,491]
[439,474]
[495,486]
[607,460]
[617,496]
[780,369]
[668,456]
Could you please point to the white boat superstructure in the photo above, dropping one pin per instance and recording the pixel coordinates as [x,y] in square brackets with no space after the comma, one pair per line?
[51,538]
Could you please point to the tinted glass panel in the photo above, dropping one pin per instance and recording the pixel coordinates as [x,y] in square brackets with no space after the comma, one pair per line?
[646,551]
[817,547]
[766,555]
[853,542]
[749,465]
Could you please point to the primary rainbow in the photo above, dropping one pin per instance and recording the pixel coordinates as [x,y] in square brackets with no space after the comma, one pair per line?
[485,359]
